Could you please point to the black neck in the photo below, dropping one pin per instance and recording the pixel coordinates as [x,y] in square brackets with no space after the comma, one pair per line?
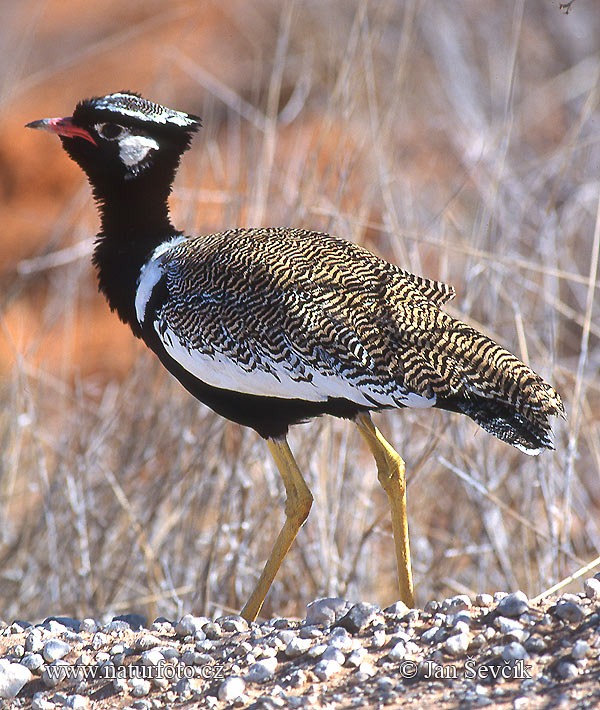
[135,220]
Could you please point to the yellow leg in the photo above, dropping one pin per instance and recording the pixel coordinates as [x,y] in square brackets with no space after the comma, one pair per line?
[390,472]
[297,506]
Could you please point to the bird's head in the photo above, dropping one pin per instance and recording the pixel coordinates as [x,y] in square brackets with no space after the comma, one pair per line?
[123,137]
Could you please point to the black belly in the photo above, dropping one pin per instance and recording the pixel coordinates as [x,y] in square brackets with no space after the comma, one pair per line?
[269,416]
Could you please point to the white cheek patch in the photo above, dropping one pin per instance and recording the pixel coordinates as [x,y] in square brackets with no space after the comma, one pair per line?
[133,149]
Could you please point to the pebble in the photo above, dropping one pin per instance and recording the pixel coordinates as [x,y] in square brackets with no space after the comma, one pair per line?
[581,650]
[13,677]
[55,673]
[54,649]
[32,661]
[398,652]
[506,625]
[535,644]
[456,603]
[262,671]
[325,611]
[139,687]
[514,651]
[332,653]
[325,669]
[569,611]
[188,625]
[457,645]
[231,689]
[359,617]
[340,638]
[153,657]
[234,622]
[566,670]
[88,626]
[398,608]
[297,646]
[356,657]
[591,587]
[134,621]
[513,605]
[484,600]
[77,702]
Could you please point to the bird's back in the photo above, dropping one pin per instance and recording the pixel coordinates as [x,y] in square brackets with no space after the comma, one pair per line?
[303,315]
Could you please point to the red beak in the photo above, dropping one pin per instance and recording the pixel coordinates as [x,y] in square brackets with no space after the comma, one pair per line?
[62,127]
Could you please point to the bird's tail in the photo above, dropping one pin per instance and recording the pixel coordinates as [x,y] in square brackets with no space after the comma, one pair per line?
[494,388]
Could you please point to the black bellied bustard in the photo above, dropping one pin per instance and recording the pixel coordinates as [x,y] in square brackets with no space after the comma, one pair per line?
[272,326]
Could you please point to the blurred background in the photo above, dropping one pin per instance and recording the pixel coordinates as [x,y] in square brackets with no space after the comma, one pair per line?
[462,143]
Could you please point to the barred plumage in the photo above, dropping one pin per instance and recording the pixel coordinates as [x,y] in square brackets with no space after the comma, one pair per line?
[300,314]
[273,326]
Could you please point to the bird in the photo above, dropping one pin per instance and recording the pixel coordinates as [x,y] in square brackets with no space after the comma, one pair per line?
[273,326]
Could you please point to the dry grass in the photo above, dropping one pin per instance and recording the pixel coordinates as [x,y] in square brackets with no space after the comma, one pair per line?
[463,145]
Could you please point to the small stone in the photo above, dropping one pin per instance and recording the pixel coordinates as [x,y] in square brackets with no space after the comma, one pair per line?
[145,642]
[212,631]
[325,669]
[569,611]
[286,635]
[88,626]
[13,677]
[535,644]
[484,600]
[325,611]
[152,657]
[514,651]
[317,651]
[120,685]
[356,657]
[39,702]
[231,689]
[506,625]
[398,652]
[566,670]
[513,605]
[378,638]
[460,627]
[233,622]
[262,671]
[359,617]
[32,661]
[55,673]
[340,639]
[188,625]
[429,634]
[332,653]
[385,683]
[398,608]
[456,603]
[140,687]
[581,649]
[591,587]
[365,671]
[457,645]
[297,646]
[432,606]
[33,642]
[54,649]
[310,632]
[77,702]
[135,621]
[117,627]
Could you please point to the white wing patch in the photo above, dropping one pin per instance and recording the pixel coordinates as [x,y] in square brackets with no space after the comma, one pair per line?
[223,372]
[150,274]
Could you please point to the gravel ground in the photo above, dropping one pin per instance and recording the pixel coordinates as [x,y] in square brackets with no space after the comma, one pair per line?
[501,651]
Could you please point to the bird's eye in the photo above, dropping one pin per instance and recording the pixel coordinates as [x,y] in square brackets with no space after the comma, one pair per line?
[110,131]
